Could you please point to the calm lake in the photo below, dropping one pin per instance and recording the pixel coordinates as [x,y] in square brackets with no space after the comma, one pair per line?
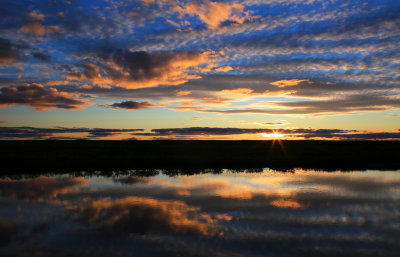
[224,213]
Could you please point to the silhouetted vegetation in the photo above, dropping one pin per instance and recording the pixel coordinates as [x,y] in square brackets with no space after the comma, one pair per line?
[192,157]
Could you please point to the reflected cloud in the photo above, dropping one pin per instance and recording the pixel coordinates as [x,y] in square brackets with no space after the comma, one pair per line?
[242,213]
[40,187]
[8,229]
[145,215]
[132,180]
[282,203]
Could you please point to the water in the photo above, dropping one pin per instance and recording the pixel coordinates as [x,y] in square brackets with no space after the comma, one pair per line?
[267,213]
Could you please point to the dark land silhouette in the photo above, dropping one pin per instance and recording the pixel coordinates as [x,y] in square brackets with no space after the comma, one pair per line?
[195,156]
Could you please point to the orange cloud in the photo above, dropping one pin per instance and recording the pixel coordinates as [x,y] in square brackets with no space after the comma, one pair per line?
[211,13]
[36,15]
[214,102]
[34,27]
[224,69]
[183,192]
[58,83]
[183,93]
[43,72]
[188,104]
[288,82]
[214,185]
[38,29]
[237,91]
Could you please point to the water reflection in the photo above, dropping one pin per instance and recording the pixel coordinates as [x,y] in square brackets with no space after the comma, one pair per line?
[264,213]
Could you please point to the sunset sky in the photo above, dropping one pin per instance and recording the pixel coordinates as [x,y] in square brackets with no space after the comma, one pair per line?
[172,69]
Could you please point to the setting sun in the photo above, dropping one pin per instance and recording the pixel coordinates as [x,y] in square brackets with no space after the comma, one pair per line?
[272,135]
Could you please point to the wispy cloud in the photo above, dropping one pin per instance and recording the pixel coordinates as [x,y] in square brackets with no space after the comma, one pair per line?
[59,132]
[287,133]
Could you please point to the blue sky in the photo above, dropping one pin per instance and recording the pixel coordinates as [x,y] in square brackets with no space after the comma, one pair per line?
[170,64]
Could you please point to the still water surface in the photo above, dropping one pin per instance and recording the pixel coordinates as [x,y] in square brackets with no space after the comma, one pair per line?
[267,213]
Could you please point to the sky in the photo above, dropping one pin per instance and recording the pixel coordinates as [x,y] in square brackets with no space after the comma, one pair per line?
[172,69]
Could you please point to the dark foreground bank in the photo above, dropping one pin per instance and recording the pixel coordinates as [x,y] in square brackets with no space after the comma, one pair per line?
[27,156]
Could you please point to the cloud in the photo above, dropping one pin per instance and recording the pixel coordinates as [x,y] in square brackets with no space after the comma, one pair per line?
[138,69]
[373,101]
[341,134]
[237,91]
[364,136]
[34,27]
[317,100]
[42,56]
[288,82]
[212,13]
[314,97]
[36,15]
[40,30]
[53,133]
[225,131]
[39,98]
[274,123]
[133,105]
[8,52]
[193,132]
[182,93]
[205,118]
